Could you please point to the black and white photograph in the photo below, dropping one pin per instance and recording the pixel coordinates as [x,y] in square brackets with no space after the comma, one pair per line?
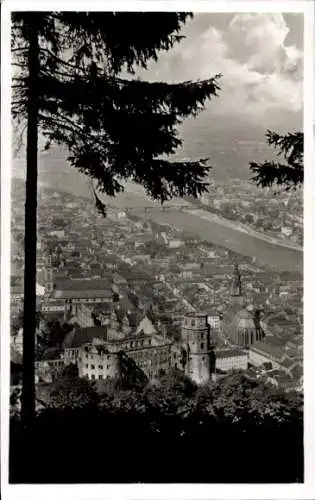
[152,295]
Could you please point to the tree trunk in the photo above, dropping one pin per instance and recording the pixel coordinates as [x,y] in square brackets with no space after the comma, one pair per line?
[30,242]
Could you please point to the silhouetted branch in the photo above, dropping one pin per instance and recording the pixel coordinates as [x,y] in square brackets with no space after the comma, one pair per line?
[289,175]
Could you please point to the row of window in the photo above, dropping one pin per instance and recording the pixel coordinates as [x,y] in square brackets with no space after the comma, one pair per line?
[100,367]
[100,299]
[53,308]
[154,361]
[100,377]
[150,355]
[137,343]
[92,356]
[231,362]
[72,352]
[193,322]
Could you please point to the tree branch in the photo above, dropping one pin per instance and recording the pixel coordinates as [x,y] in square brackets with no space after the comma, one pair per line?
[62,61]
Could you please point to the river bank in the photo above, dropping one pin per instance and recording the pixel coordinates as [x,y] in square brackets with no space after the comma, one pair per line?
[216,231]
[239,226]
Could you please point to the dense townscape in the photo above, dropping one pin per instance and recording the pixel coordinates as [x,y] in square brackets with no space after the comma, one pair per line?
[134,287]
[278,214]
[138,319]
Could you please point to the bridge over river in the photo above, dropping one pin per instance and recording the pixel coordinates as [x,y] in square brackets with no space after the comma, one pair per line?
[213,229]
[201,223]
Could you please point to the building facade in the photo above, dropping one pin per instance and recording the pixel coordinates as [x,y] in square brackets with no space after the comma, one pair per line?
[231,359]
[244,330]
[214,320]
[96,362]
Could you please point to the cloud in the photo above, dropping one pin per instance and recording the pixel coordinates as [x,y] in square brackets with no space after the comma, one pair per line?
[262,76]
[263,38]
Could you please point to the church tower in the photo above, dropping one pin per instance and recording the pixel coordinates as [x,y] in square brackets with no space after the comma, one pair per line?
[198,351]
[237,282]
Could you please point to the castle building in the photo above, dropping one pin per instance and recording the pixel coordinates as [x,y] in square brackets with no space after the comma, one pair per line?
[101,352]
[96,362]
[102,358]
[198,350]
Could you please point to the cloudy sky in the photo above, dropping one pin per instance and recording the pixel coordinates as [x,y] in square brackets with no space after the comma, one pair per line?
[260,57]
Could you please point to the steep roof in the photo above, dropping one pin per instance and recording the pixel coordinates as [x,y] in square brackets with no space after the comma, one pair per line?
[288,363]
[276,341]
[51,301]
[146,326]
[104,307]
[297,372]
[230,353]
[80,336]
[243,319]
[269,349]
[213,313]
[83,285]
[83,294]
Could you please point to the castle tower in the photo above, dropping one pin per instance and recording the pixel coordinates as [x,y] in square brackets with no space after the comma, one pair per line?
[197,347]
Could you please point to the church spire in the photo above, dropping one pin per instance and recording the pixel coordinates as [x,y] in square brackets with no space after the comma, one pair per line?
[237,282]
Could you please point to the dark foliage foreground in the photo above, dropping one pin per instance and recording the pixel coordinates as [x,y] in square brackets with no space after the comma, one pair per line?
[222,433]
[287,173]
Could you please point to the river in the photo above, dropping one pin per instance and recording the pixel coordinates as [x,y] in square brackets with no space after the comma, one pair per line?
[217,232]
[275,256]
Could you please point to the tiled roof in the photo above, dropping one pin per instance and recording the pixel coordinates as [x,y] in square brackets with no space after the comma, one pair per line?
[230,353]
[70,285]
[67,288]
[276,341]
[57,315]
[212,312]
[287,363]
[297,372]
[243,319]
[54,302]
[83,294]
[268,349]
[80,336]
[102,308]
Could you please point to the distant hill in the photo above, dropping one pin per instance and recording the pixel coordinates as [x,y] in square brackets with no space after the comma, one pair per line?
[229,150]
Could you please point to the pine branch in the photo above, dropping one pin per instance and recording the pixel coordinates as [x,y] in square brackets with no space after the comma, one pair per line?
[53,122]
[52,72]
[19,49]
[62,62]
[270,173]
[115,128]
[289,175]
